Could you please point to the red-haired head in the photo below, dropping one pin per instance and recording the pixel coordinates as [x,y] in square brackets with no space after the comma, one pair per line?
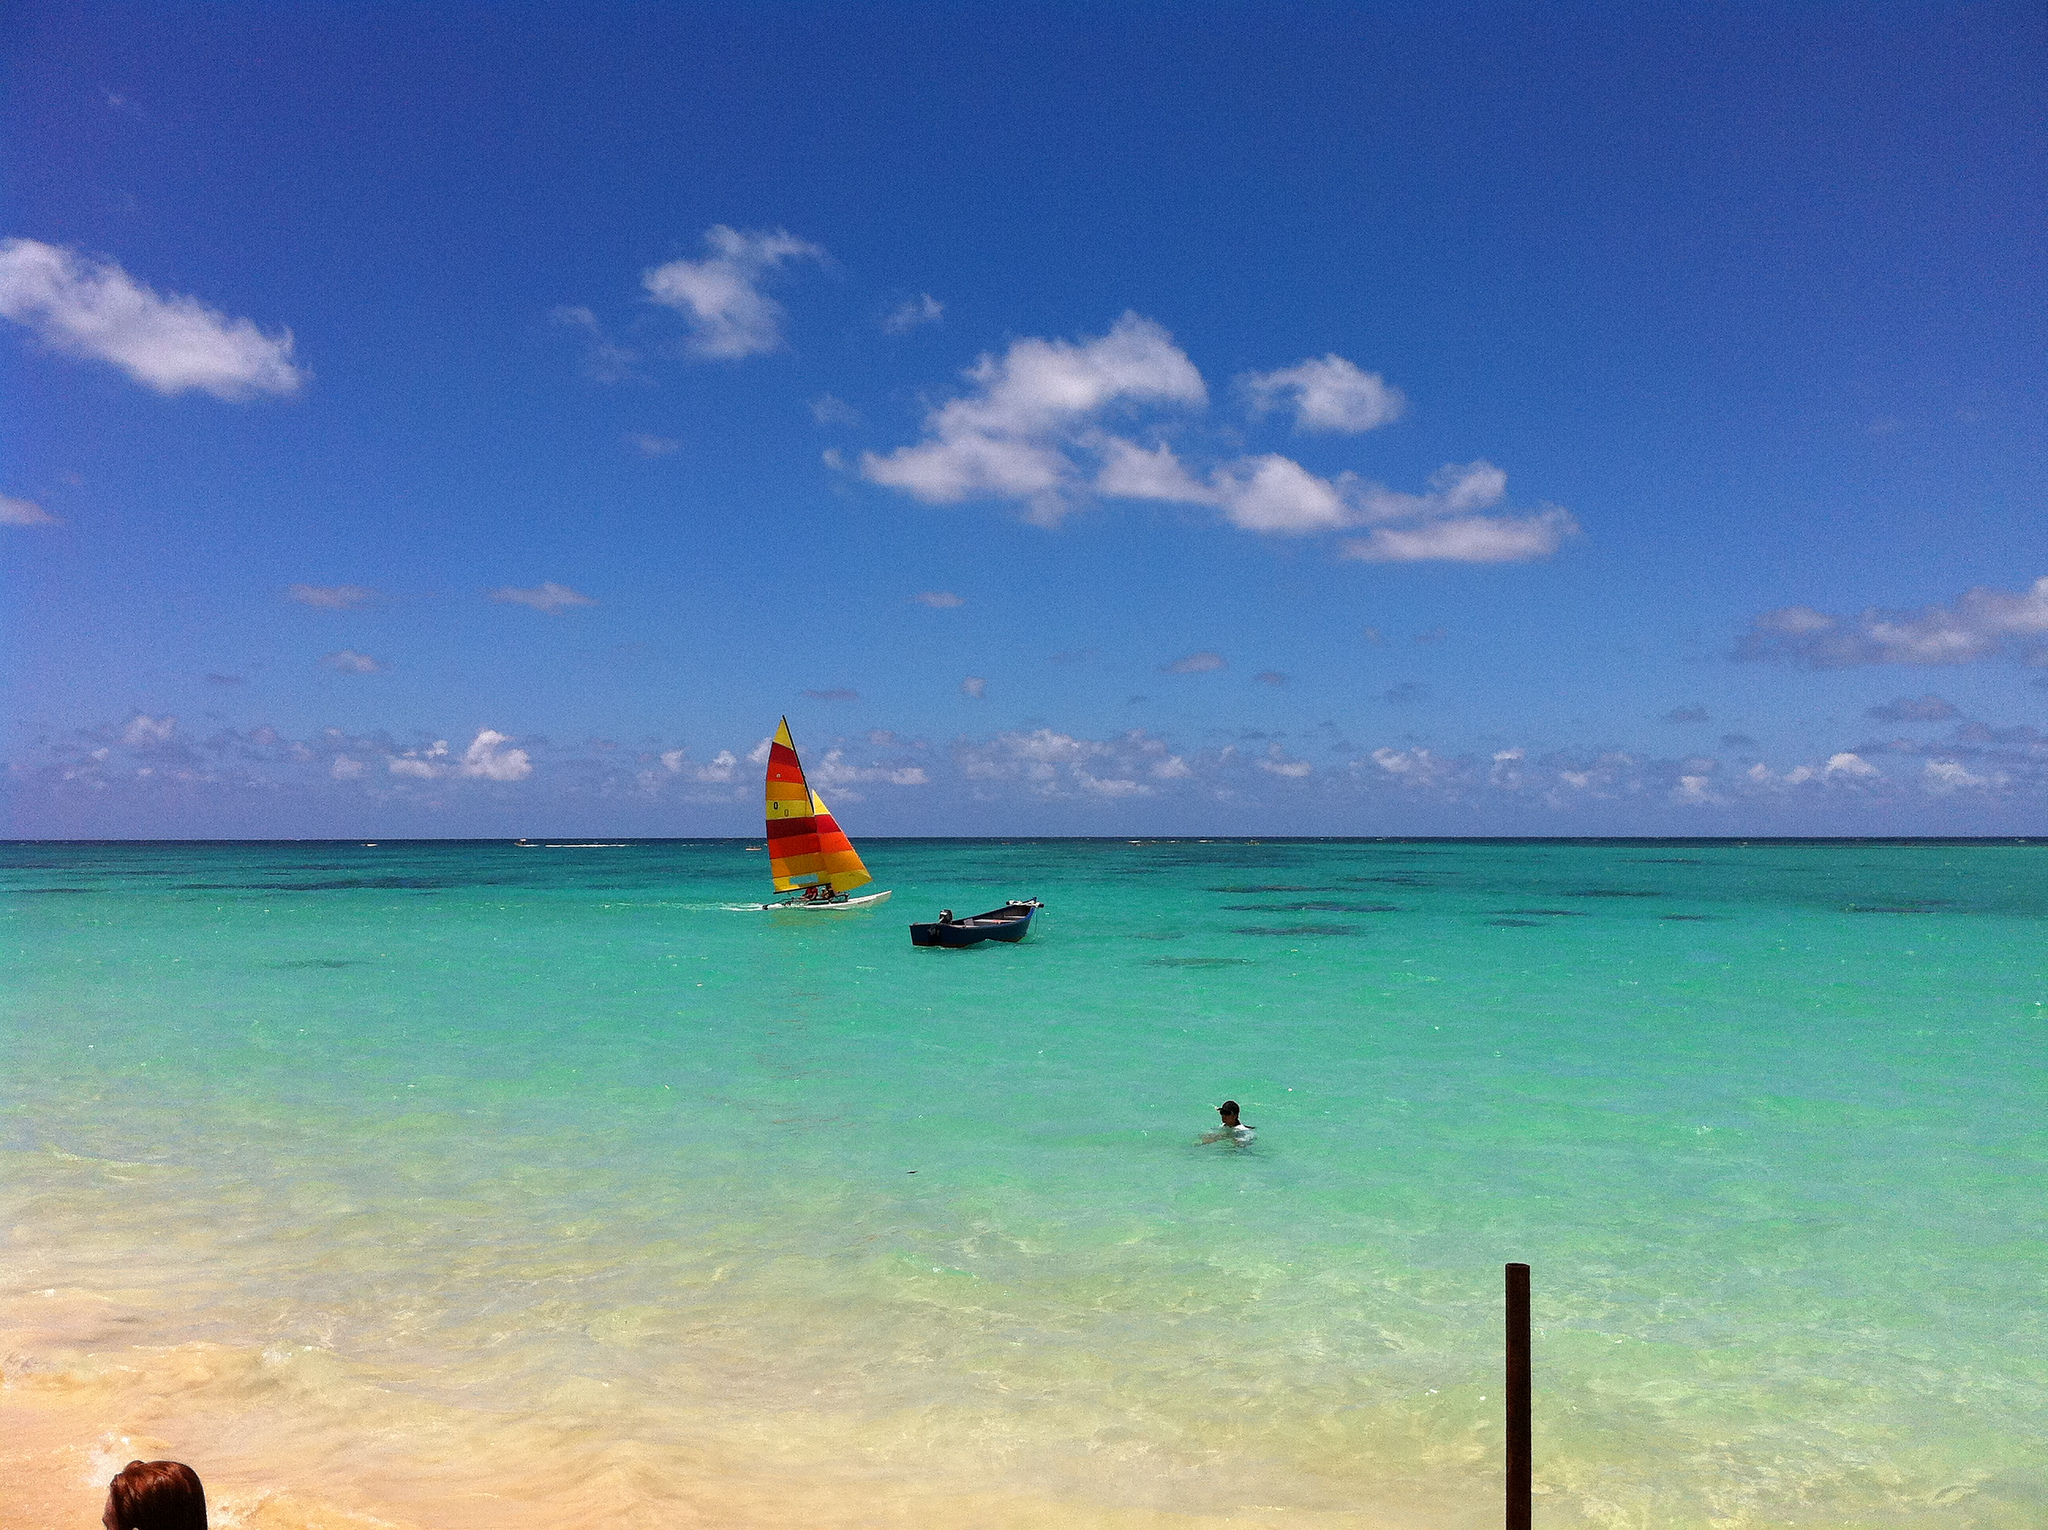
[155,1495]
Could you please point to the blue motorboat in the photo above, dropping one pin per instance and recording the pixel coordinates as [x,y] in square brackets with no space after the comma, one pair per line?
[1006,923]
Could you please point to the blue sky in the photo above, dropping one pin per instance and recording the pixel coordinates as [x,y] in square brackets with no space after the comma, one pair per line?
[1199,419]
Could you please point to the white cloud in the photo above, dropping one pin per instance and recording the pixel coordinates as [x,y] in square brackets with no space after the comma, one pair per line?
[827,410]
[1981,623]
[653,446]
[332,597]
[1456,488]
[1007,439]
[1470,539]
[145,732]
[1129,471]
[550,598]
[1205,662]
[349,662]
[1853,766]
[974,687]
[1697,791]
[487,759]
[1330,394]
[1035,418]
[721,297]
[1277,763]
[24,512]
[1943,776]
[95,310]
[836,772]
[1277,496]
[938,600]
[1112,787]
[344,768]
[908,315]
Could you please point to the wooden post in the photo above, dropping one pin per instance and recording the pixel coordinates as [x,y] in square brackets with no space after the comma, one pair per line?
[1521,1484]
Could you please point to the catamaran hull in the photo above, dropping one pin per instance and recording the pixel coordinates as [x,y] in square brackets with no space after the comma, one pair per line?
[834,906]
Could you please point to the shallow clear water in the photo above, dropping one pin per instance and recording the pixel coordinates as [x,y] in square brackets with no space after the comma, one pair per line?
[467,1183]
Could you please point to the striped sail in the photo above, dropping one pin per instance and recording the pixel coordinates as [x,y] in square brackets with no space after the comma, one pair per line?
[805,845]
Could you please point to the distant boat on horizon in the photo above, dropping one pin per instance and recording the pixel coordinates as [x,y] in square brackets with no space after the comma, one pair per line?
[808,853]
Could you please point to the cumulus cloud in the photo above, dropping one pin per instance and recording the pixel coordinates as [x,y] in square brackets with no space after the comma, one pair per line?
[1278,496]
[1472,539]
[837,772]
[332,597]
[1980,624]
[550,599]
[1274,495]
[94,310]
[488,758]
[1007,437]
[1945,776]
[938,600]
[145,732]
[1202,663]
[827,410]
[1034,430]
[974,687]
[1330,394]
[24,512]
[1278,763]
[349,662]
[1130,471]
[142,757]
[908,315]
[720,297]
[1928,708]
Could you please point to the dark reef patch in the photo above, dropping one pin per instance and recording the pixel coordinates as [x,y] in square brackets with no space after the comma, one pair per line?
[1270,888]
[347,884]
[1311,908]
[1688,918]
[1297,929]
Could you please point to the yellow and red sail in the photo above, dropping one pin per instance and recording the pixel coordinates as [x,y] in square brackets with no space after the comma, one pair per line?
[805,845]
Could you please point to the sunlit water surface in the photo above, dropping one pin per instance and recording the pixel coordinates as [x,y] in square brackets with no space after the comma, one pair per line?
[471,1184]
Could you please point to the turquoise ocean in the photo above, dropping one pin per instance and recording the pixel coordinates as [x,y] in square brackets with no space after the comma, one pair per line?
[468,1184]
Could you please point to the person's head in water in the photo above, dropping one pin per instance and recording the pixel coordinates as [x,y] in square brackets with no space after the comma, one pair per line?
[155,1495]
[1228,1111]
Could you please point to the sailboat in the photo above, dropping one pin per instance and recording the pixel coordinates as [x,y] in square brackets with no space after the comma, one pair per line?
[808,853]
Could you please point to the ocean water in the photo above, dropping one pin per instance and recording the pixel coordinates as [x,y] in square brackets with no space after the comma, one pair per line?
[465,1184]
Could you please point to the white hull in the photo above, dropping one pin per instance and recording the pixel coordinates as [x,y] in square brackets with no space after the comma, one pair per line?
[837,905]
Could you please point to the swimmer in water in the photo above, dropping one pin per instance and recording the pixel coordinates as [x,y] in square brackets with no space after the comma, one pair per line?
[1233,1130]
